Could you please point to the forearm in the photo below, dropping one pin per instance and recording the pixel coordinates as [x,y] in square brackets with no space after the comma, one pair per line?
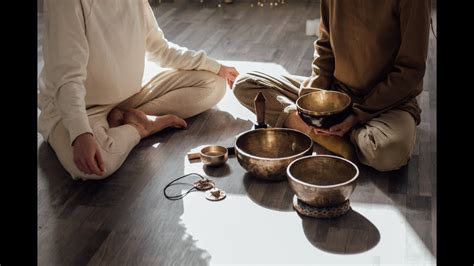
[404,82]
[170,55]
[71,106]
[389,94]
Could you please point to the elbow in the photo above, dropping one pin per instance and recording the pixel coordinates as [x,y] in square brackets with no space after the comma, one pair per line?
[411,67]
[412,74]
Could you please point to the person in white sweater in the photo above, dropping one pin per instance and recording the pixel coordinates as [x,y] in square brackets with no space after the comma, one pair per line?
[94,109]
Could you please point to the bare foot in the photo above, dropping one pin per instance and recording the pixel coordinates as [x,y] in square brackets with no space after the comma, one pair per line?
[115,118]
[149,124]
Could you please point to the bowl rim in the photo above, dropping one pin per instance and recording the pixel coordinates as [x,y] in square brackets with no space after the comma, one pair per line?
[204,154]
[288,173]
[301,109]
[239,150]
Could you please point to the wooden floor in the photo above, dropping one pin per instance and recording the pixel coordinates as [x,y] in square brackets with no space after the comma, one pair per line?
[125,219]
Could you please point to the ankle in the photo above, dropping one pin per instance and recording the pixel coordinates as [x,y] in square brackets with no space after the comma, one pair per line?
[141,130]
[341,146]
[115,117]
[294,121]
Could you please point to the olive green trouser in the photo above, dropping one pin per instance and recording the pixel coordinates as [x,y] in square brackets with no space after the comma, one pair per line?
[384,143]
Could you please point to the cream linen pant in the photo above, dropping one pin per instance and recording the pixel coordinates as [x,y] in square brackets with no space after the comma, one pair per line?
[384,143]
[182,93]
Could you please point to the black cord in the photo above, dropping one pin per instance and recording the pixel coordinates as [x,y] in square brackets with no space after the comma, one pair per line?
[177,197]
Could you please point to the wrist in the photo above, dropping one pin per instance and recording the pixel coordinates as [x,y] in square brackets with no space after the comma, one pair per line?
[81,136]
[355,119]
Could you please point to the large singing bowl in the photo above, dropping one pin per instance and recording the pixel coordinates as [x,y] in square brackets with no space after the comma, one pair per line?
[323,108]
[266,153]
[322,180]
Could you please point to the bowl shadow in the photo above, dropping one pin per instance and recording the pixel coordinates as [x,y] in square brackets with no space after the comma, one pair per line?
[217,171]
[275,195]
[351,233]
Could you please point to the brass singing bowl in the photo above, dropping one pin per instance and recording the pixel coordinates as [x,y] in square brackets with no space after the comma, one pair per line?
[214,155]
[322,180]
[266,153]
[323,108]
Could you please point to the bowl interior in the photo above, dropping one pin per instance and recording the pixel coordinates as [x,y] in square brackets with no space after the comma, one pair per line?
[273,143]
[214,151]
[323,102]
[323,170]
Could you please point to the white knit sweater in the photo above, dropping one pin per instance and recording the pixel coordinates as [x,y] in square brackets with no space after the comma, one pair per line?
[94,54]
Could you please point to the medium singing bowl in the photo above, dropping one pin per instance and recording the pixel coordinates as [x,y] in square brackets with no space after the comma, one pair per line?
[323,108]
[266,153]
[322,180]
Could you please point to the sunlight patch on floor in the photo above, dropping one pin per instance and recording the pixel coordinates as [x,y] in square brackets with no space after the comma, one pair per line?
[237,230]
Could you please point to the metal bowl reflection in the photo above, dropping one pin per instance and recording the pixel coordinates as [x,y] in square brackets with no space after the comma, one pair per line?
[323,108]
[266,153]
[214,155]
[322,180]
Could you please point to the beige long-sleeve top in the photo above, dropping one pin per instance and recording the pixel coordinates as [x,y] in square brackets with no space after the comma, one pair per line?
[94,54]
[375,51]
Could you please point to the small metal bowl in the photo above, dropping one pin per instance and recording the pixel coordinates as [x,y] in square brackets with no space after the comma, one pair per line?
[214,155]
[265,153]
[322,180]
[323,108]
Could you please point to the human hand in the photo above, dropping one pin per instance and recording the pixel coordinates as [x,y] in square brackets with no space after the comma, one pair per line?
[87,155]
[228,73]
[340,129]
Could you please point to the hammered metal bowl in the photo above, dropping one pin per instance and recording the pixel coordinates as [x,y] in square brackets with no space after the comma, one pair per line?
[266,153]
[322,180]
[323,108]
[214,155]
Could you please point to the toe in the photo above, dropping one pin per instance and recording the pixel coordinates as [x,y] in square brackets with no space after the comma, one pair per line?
[179,123]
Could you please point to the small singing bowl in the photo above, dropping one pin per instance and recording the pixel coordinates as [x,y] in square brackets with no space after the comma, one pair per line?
[265,153]
[323,108]
[214,155]
[322,180]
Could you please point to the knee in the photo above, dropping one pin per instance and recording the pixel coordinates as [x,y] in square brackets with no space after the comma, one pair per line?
[114,145]
[84,177]
[110,167]
[242,89]
[385,154]
[219,87]
[214,90]
[238,88]
[113,155]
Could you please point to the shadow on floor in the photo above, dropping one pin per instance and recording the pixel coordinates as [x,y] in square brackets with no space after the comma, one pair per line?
[348,234]
[274,195]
